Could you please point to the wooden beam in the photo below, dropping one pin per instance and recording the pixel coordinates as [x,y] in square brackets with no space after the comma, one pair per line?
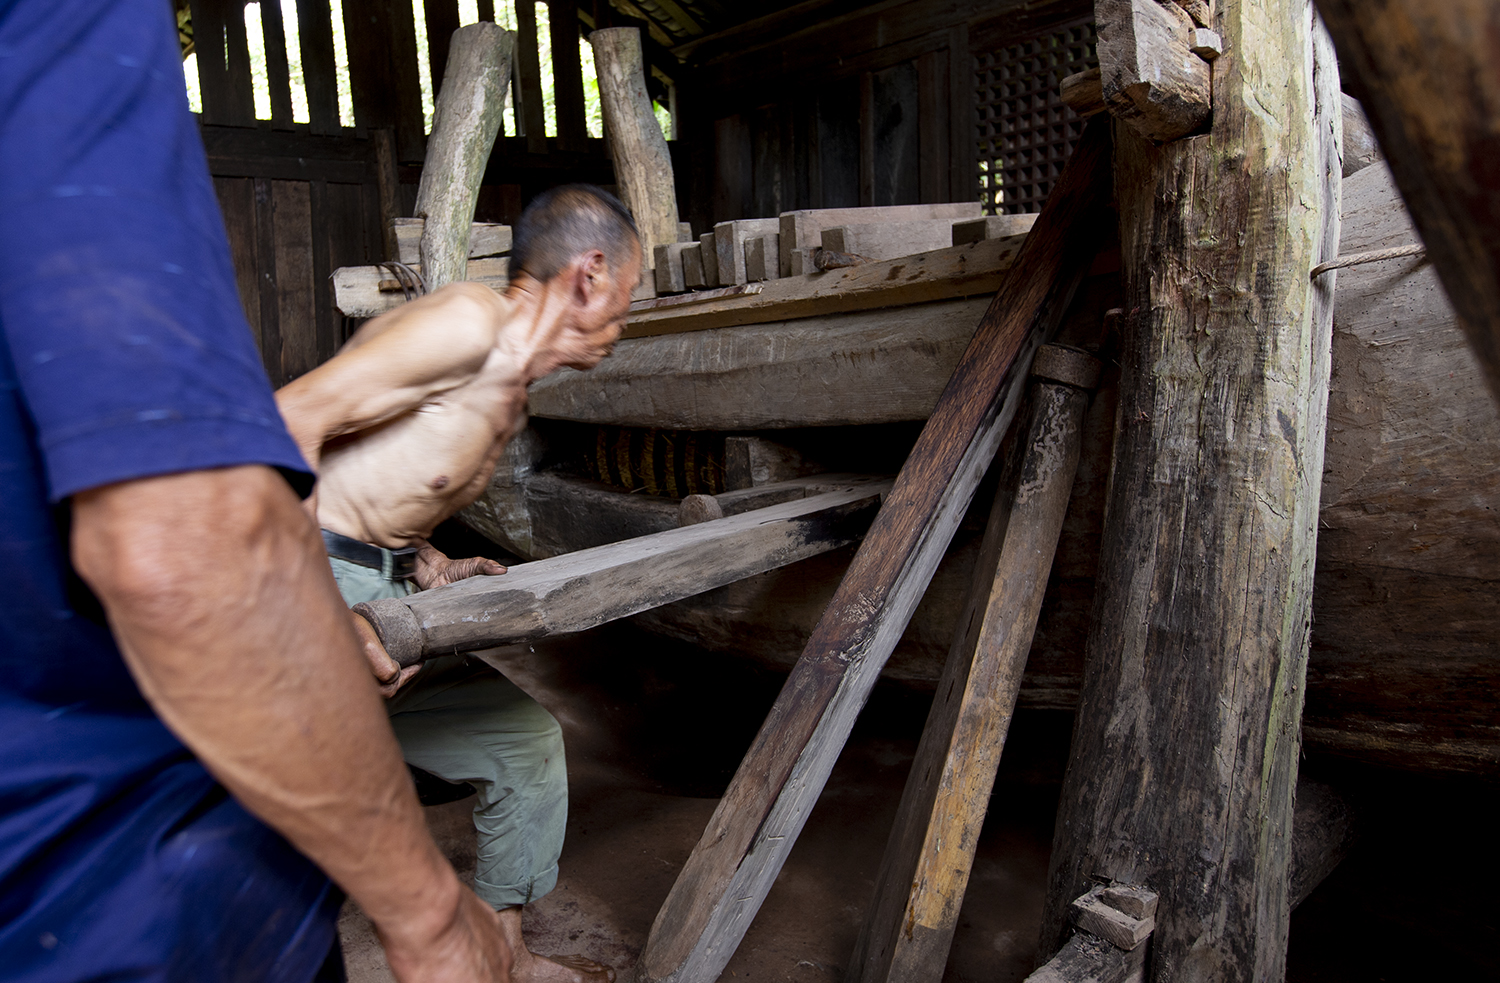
[1086,958]
[368,291]
[442,21]
[278,75]
[485,239]
[319,69]
[588,588]
[643,167]
[1185,746]
[908,927]
[757,821]
[991,227]
[1425,74]
[464,124]
[803,228]
[729,242]
[889,240]
[1150,77]
[567,75]
[879,366]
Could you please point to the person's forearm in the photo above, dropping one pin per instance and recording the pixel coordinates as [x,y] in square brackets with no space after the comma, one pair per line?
[222,601]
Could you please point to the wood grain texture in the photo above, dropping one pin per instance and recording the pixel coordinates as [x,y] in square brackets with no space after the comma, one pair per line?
[485,239]
[357,290]
[725,879]
[1185,747]
[924,874]
[296,308]
[1425,75]
[643,167]
[889,240]
[803,228]
[875,366]
[1086,958]
[588,588]
[319,67]
[1149,76]
[464,124]
[730,239]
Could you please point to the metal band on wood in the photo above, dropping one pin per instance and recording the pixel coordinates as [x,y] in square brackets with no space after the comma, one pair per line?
[1066,364]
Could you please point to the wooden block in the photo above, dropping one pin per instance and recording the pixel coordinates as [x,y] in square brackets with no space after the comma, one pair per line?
[685,232]
[761,258]
[357,292]
[992,227]
[889,240]
[485,239]
[1151,80]
[1201,11]
[803,229]
[1206,44]
[710,256]
[1091,914]
[729,243]
[698,508]
[721,886]
[669,272]
[589,587]
[1083,92]
[1086,959]
[1137,902]
[692,267]
[801,262]
[753,461]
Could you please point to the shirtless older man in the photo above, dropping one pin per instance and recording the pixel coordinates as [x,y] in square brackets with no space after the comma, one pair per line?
[404,427]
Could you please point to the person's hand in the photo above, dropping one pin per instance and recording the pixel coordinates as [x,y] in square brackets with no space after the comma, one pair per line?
[388,672]
[469,948]
[434,569]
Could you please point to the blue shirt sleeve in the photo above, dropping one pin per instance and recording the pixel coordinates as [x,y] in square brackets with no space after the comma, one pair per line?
[117,296]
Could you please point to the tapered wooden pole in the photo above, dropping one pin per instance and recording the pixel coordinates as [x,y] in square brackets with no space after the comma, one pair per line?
[909,926]
[464,125]
[1185,744]
[1427,77]
[643,167]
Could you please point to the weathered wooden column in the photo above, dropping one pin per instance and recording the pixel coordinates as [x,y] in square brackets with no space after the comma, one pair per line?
[643,167]
[1185,747]
[1427,77]
[464,125]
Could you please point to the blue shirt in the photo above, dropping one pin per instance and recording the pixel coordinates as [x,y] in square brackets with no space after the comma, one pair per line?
[124,353]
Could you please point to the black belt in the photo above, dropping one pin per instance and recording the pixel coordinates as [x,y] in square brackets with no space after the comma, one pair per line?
[393,564]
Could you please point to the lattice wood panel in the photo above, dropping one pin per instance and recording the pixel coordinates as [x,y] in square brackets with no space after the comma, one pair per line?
[1024,132]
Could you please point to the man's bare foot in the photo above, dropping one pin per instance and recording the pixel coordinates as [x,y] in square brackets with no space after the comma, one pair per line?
[532,968]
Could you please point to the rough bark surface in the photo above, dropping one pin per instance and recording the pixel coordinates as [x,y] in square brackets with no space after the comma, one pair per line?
[643,168]
[464,124]
[1185,748]
[1426,75]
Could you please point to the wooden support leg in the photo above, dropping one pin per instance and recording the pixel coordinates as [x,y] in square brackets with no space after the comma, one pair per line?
[920,889]
[1186,739]
[464,125]
[733,866]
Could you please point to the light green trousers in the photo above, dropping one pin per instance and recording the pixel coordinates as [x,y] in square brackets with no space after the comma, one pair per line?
[464,722]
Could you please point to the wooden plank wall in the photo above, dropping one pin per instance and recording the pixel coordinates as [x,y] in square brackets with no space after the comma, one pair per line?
[302,199]
[865,107]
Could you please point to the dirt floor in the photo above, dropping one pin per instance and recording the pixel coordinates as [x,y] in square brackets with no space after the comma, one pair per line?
[655,729]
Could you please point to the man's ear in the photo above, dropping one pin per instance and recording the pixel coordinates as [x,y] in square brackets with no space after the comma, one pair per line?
[592,278]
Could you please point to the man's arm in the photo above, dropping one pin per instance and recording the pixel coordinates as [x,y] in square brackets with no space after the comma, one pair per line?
[221,599]
[393,365]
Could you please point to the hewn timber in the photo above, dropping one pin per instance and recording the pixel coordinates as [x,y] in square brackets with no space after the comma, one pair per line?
[1185,747]
[1425,75]
[803,229]
[1150,77]
[924,874]
[485,239]
[585,589]
[731,869]
[367,291]
[643,167]
[464,124]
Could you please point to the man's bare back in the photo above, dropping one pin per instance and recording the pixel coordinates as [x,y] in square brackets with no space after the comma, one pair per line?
[406,423]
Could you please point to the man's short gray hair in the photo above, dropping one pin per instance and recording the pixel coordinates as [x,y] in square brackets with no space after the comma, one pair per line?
[567,221]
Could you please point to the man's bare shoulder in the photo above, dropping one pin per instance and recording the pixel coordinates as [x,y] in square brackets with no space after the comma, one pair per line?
[464,316]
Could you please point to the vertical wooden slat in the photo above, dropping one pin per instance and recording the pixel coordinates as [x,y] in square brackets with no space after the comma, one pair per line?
[531,118]
[241,108]
[208,42]
[382,41]
[962,185]
[866,139]
[567,75]
[388,189]
[265,281]
[442,21]
[237,203]
[278,72]
[487,10]
[291,209]
[732,159]
[325,330]
[319,69]
[932,125]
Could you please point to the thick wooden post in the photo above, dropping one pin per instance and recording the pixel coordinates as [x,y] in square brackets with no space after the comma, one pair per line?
[1185,745]
[909,926]
[643,168]
[464,125]
[1427,78]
